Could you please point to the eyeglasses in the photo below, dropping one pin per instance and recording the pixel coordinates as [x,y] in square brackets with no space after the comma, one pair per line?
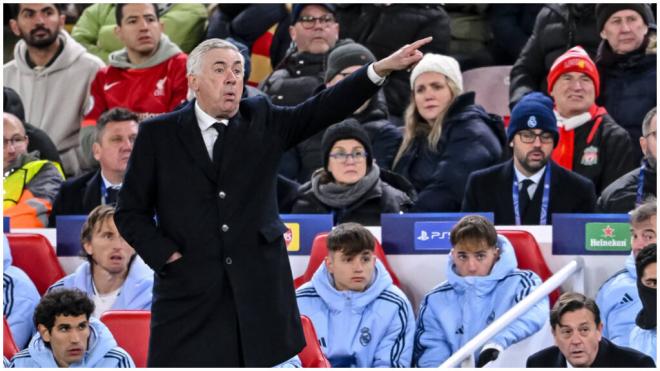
[530,137]
[14,141]
[308,21]
[652,133]
[343,156]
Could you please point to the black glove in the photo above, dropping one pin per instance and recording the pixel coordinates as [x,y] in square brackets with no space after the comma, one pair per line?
[486,356]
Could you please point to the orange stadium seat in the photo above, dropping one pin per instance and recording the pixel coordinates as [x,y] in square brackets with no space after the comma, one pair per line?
[320,251]
[8,344]
[312,356]
[529,256]
[131,330]
[36,256]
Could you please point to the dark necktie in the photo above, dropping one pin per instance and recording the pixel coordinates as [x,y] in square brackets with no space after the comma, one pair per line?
[111,196]
[524,195]
[217,146]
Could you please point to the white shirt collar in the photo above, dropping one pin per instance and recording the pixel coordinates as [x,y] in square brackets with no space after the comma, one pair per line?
[205,120]
[536,177]
[107,183]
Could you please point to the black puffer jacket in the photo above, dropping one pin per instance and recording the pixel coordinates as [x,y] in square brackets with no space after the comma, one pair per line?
[384,29]
[620,196]
[558,28]
[391,194]
[628,86]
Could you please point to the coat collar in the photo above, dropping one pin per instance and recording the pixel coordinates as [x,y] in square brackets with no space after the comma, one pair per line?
[191,138]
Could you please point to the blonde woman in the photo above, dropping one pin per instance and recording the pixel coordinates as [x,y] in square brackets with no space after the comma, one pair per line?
[446,136]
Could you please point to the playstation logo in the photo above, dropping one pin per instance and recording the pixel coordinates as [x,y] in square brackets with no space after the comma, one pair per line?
[424,236]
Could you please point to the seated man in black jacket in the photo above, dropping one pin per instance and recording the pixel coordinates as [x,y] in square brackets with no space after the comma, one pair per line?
[576,327]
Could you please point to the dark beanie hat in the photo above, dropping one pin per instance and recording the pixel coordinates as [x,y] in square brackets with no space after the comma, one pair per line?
[347,129]
[345,56]
[605,11]
[298,8]
[533,111]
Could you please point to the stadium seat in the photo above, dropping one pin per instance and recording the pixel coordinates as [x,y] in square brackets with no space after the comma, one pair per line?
[529,256]
[131,330]
[312,356]
[9,346]
[36,256]
[320,251]
[491,85]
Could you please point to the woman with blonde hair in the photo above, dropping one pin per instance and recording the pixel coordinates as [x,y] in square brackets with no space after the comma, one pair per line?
[446,136]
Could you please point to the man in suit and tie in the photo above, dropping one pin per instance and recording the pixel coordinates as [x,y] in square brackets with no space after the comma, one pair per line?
[530,187]
[576,327]
[223,290]
[116,131]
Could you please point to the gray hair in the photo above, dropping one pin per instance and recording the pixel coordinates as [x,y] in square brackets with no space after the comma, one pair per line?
[644,211]
[195,56]
[646,123]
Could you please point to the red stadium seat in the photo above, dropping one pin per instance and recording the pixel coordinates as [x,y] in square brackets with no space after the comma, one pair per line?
[131,330]
[36,256]
[8,344]
[529,256]
[312,356]
[320,251]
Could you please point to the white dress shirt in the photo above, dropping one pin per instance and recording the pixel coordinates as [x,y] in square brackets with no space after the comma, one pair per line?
[535,178]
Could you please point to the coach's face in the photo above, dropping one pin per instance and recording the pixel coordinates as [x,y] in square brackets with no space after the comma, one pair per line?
[218,85]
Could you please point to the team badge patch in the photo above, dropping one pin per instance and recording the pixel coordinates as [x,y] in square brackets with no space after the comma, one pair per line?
[365,336]
[531,121]
[590,156]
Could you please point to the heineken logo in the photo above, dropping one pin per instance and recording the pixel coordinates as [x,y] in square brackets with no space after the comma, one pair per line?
[607,237]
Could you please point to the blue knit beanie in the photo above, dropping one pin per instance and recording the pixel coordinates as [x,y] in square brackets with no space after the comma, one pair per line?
[533,111]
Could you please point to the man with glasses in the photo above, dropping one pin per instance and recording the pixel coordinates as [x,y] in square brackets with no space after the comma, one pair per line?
[529,188]
[314,33]
[30,184]
[576,327]
[591,143]
[638,185]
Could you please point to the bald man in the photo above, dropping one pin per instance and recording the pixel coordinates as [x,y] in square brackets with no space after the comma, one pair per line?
[30,184]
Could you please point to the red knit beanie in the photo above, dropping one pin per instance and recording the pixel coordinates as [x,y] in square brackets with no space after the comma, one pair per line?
[574,60]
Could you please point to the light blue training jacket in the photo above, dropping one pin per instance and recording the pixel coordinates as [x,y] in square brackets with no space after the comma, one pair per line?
[457,310]
[135,293]
[102,352]
[373,328]
[618,302]
[20,297]
[645,341]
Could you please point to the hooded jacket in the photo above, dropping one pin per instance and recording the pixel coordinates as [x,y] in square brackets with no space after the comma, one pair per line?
[20,297]
[471,139]
[135,293]
[618,302]
[457,310]
[56,97]
[102,352]
[373,328]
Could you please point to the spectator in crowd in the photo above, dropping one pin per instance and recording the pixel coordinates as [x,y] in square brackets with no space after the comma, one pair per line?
[530,187]
[19,299]
[351,185]
[30,184]
[576,327]
[383,28]
[113,276]
[441,124]
[618,298]
[590,142]
[116,131]
[483,283]
[217,250]
[558,28]
[51,73]
[639,184]
[385,137]
[361,318]
[471,37]
[183,23]
[314,32]
[643,336]
[68,337]
[147,76]
[627,63]
[511,25]
[38,139]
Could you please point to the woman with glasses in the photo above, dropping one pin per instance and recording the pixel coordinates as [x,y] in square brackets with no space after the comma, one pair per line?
[446,136]
[350,185]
